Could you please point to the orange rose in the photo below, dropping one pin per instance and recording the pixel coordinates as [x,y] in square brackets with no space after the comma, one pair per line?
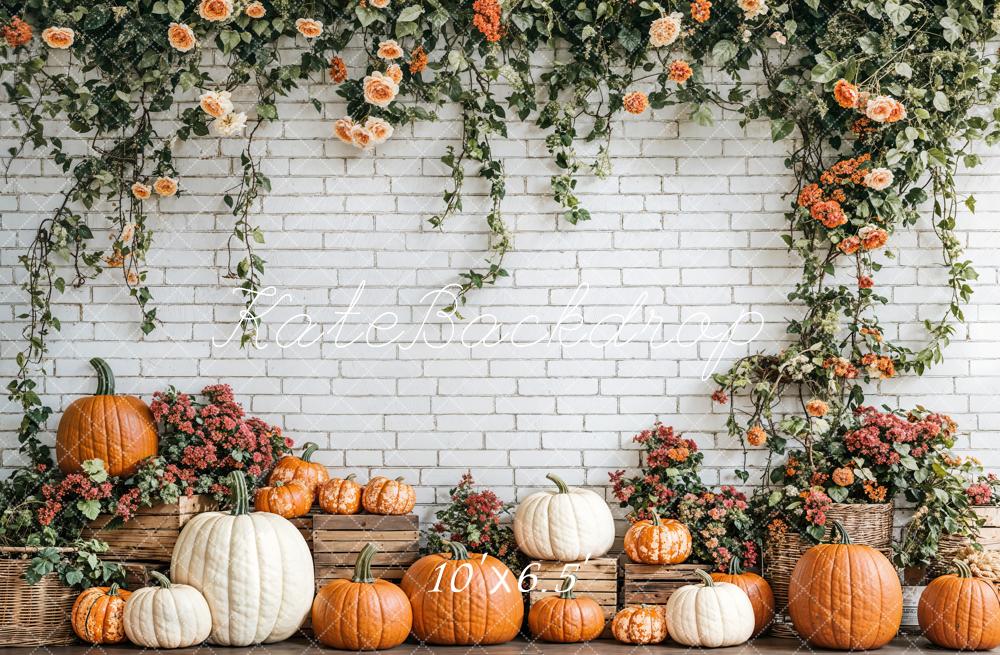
[817,408]
[361,137]
[756,436]
[379,89]
[18,33]
[181,37]
[255,10]
[898,112]
[59,38]
[309,27]
[379,4]
[342,128]
[215,10]
[829,213]
[338,70]
[395,72]
[418,60]
[850,245]
[635,102]
[873,237]
[141,191]
[389,50]
[843,477]
[846,94]
[379,129]
[165,186]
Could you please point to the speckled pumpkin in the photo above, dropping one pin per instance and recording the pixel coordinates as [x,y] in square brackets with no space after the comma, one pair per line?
[98,615]
[287,499]
[389,497]
[301,469]
[658,541]
[640,624]
[340,495]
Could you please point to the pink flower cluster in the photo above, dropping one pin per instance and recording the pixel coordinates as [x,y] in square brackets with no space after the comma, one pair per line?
[75,485]
[880,431]
[816,504]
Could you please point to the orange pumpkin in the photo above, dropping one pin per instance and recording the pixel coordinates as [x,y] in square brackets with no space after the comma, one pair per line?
[98,615]
[640,624]
[658,541]
[845,596]
[566,619]
[463,599]
[385,496]
[300,469]
[960,612]
[118,430]
[361,613]
[340,495]
[757,590]
[288,499]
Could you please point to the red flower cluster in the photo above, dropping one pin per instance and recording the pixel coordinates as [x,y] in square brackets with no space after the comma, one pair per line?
[981,493]
[816,504]
[73,486]
[880,431]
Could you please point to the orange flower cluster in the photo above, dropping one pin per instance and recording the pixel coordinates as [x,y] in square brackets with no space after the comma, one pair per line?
[635,102]
[810,195]
[872,238]
[18,33]
[846,170]
[863,126]
[679,454]
[701,11]
[842,368]
[756,436]
[487,19]
[679,71]
[777,529]
[829,213]
[843,477]
[791,467]
[875,492]
[879,366]
[865,282]
[872,332]
[418,60]
[338,70]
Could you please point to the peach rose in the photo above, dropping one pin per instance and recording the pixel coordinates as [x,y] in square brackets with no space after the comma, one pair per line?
[132,278]
[850,245]
[361,137]
[128,233]
[59,38]
[379,129]
[255,10]
[635,102]
[879,108]
[215,10]
[752,8]
[379,4]
[181,37]
[878,179]
[665,30]
[389,50]
[395,72]
[342,128]
[309,27]
[216,104]
[165,186]
[380,89]
[141,191]
[898,112]
[873,238]
[846,94]
[817,408]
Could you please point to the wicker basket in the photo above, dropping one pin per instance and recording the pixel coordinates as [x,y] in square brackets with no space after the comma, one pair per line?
[869,524]
[32,615]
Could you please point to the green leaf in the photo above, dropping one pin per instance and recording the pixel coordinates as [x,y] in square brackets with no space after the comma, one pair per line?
[724,51]
[94,468]
[903,69]
[175,8]
[410,14]
[780,128]
[89,508]
[702,115]
[941,102]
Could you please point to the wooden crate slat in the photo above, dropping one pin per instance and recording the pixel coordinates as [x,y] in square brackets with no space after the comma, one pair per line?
[347,559]
[323,545]
[366,522]
[597,568]
[362,536]
[151,534]
[607,600]
[653,584]
[581,586]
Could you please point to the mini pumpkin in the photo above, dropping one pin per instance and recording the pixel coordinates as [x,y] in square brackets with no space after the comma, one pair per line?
[301,469]
[657,541]
[379,617]
[845,596]
[288,499]
[566,618]
[167,616]
[757,590]
[568,524]
[340,495]
[388,497]
[98,615]
[710,614]
[119,430]
[640,624]
[960,612]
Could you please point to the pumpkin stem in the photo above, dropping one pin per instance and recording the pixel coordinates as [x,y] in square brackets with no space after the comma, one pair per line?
[656,518]
[839,531]
[706,579]
[113,589]
[351,476]
[363,565]
[735,566]
[308,448]
[163,580]
[560,484]
[964,571]
[458,551]
[105,378]
[566,591]
[400,479]
[238,495]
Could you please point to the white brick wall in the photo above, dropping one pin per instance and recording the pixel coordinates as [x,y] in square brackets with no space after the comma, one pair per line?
[689,221]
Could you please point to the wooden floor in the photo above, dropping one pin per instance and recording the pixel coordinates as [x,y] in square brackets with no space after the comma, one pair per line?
[766,646]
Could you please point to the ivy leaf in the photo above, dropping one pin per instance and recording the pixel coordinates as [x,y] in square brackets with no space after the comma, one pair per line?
[780,128]
[89,508]
[822,72]
[630,38]
[175,8]
[724,51]
[952,29]
[410,14]
[941,102]
[970,202]
[366,15]
[703,116]
[903,69]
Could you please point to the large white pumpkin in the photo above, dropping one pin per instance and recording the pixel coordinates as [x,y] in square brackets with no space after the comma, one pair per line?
[567,524]
[254,569]
[709,615]
[168,616]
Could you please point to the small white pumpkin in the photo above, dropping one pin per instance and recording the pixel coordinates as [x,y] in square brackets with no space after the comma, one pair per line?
[254,569]
[566,524]
[168,616]
[710,614]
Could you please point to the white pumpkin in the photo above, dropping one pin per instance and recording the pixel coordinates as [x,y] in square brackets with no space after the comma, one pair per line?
[254,569]
[566,524]
[710,615]
[168,616]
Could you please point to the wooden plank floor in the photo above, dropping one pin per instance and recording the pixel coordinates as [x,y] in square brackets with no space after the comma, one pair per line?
[766,646]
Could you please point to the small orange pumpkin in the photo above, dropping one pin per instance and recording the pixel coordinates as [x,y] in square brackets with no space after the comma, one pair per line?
[287,499]
[640,624]
[340,495]
[566,618]
[658,541]
[960,612]
[361,613]
[301,469]
[390,497]
[98,615]
[757,590]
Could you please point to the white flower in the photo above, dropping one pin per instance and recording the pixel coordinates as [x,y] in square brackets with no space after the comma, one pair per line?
[878,179]
[230,124]
[779,37]
[216,103]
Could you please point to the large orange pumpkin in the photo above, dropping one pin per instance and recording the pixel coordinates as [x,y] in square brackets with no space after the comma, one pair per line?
[757,590]
[118,430]
[385,496]
[845,596]
[463,599]
[658,541]
[288,499]
[340,495]
[361,613]
[302,469]
[566,619]
[98,615]
[960,612]
[640,624]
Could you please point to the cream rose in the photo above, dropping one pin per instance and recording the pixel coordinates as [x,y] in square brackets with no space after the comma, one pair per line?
[361,137]
[389,50]
[380,89]
[229,125]
[59,38]
[665,30]
[880,108]
[379,4]
[342,128]
[395,72]
[752,8]
[128,233]
[255,10]
[141,191]
[878,179]
[165,186]
[309,27]
[181,37]
[216,104]
[215,10]
[380,129]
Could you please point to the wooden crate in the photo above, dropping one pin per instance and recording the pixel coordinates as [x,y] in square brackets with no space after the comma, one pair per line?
[596,578]
[989,534]
[138,574]
[653,584]
[337,540]
[150,535]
